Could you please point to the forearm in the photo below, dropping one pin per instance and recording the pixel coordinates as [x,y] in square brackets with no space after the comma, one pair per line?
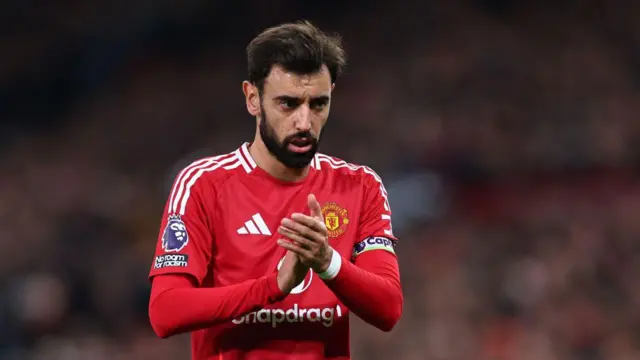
[176,306]
[371,288]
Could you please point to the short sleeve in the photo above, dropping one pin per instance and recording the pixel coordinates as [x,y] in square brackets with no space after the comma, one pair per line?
[185,241]
[375,231]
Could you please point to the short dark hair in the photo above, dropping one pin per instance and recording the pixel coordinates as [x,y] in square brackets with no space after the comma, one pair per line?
[298,47]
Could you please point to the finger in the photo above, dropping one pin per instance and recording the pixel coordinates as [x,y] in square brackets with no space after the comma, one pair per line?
[292,235]
[308,221]
[314,207]
[295,248]
[307,226]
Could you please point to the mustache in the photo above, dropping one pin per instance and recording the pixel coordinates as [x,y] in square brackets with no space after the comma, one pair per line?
[300,135]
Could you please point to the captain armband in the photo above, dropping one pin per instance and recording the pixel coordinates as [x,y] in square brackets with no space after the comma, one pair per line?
[373,243]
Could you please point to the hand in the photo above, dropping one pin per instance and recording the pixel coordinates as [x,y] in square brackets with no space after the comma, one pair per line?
[291,273]
[308,237]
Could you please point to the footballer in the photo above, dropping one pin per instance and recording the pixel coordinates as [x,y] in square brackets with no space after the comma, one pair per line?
[264,252]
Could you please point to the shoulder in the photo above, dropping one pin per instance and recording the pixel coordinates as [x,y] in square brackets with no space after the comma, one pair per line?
[211,169]
[343,169]
[204,175]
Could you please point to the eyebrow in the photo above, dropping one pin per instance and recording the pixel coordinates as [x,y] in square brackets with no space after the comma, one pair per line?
[323,98]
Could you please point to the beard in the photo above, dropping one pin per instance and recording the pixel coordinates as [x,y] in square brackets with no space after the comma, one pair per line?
[280,149]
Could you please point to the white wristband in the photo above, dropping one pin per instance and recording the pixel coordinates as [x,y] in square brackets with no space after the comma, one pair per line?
[334,267]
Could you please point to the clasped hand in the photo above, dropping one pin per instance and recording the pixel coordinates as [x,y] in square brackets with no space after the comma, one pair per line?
[306,236]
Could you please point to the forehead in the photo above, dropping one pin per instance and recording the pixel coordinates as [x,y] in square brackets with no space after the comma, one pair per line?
[282,82]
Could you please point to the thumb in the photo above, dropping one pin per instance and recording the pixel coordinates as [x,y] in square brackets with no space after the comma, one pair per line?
[314,206]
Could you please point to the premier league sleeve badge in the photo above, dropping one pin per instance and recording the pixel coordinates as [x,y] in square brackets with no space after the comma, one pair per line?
[175,236]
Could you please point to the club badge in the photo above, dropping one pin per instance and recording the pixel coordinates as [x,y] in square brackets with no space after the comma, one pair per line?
[335,218]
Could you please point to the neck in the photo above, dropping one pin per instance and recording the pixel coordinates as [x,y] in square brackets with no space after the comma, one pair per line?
[267,162]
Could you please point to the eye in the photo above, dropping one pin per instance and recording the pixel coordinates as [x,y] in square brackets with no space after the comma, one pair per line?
[319,104]
[288,103]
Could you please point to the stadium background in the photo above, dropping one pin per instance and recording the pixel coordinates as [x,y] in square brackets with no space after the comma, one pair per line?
[507,133]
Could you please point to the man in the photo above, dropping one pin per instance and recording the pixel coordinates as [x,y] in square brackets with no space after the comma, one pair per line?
[264,252]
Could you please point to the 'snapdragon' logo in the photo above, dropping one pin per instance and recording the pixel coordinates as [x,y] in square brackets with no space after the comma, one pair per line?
[335,218]
[295,314]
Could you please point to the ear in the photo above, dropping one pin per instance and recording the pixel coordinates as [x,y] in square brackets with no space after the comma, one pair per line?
[252,98]
[333,86]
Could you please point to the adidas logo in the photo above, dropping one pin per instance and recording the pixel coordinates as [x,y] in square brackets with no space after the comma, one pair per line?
[255,226]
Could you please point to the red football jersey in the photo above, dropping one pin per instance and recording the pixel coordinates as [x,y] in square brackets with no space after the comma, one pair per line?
[220,226]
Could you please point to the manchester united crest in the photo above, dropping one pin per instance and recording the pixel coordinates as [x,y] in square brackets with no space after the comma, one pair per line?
[335,218]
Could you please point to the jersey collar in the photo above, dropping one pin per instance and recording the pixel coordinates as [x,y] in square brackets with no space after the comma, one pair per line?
[249,164]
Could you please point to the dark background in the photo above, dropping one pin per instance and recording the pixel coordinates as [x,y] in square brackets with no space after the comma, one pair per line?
[506,133]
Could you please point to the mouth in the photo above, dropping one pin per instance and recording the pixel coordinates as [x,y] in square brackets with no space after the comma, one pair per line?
[300,145]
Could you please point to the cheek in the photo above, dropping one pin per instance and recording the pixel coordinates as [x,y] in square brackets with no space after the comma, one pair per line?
[275,119]
[319,123]
[281,125]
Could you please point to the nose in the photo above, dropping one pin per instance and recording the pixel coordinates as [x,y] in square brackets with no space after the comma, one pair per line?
[303,118]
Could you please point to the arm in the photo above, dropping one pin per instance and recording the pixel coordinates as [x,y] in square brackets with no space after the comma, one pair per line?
[370,288]
[178,306]
[183,256]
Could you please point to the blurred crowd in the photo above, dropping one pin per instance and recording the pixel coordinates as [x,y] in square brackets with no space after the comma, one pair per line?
[507,133]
